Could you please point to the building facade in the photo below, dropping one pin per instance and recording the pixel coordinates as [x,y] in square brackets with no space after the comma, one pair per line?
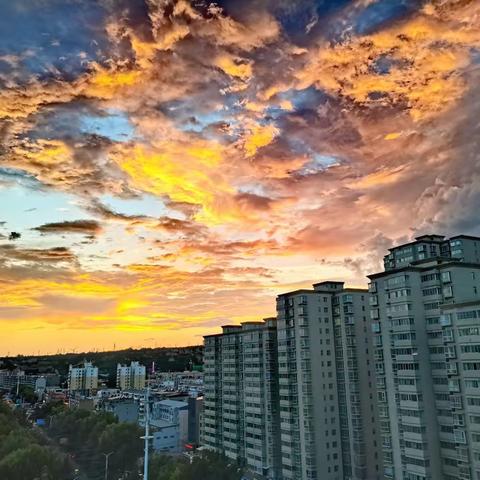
[423,319]
[12,380]
[240,413]
[370,384]
[83,378]
[131,377]
[125,409]
[169,423]
[327,392]
[195,408]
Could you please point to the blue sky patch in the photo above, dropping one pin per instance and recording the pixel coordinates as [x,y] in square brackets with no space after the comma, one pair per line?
[114,125]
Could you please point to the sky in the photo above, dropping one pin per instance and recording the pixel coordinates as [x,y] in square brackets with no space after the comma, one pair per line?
[173,165]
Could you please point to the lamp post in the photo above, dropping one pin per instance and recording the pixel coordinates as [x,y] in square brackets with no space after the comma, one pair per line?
[147,435]
[107,456]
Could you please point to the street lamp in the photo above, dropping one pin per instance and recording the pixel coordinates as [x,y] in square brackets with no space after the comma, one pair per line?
[147,435]
[106,455]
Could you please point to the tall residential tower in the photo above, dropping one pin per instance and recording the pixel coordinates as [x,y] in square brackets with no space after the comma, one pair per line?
[424,309]
[327,389]
[240,413]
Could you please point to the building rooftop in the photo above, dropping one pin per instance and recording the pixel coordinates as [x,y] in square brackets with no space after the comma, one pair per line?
[296,292]
[425,265]
[468,237]
[422,238]
[431,238]
[173,403]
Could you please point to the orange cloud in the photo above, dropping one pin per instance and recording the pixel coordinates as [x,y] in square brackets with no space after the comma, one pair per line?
[259,136]
[427,53]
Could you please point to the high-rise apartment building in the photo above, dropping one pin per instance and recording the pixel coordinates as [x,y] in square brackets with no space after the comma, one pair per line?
[83,378]
[425,320]
[240,411]
[461,333]
[328,425]
[131,377]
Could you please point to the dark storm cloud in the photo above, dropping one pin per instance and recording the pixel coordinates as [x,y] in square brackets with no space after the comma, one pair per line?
[75,226]
[13,253]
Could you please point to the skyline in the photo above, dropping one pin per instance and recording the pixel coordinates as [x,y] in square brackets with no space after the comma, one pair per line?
[175,165]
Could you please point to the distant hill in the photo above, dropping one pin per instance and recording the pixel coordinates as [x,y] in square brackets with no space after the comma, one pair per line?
[166,359]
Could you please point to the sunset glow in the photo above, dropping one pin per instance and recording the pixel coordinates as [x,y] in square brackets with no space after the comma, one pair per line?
[171,166]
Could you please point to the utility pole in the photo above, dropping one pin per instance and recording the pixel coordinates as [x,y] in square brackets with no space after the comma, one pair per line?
[106,455]
[147,435]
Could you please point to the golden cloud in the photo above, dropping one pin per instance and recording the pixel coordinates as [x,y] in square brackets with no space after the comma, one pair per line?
[426,56]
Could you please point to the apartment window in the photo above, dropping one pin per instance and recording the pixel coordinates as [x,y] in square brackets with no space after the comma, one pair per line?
[471,366]
[415,445]
[469,315]
[416,461]
[430,277]
[472,383]
[410,397]
[446,277]
[404,381]
[475,419]
[446,319]
[471,348]
[399,322]
[447,291]
[426,292]
[413,429]
[407,366]
[404,336]
[465,332]
[401,279]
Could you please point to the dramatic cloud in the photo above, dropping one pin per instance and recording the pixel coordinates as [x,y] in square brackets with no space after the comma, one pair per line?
[11,254]
[76,226]
[211,155]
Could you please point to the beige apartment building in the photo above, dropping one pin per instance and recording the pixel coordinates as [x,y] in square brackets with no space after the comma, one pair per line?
[131,377]
[82,378]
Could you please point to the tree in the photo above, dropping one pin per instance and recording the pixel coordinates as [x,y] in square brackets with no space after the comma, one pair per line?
[15,440]
[205,466]
[123,439]
[30,462]
[27,393]
[21,454]
[162,467]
